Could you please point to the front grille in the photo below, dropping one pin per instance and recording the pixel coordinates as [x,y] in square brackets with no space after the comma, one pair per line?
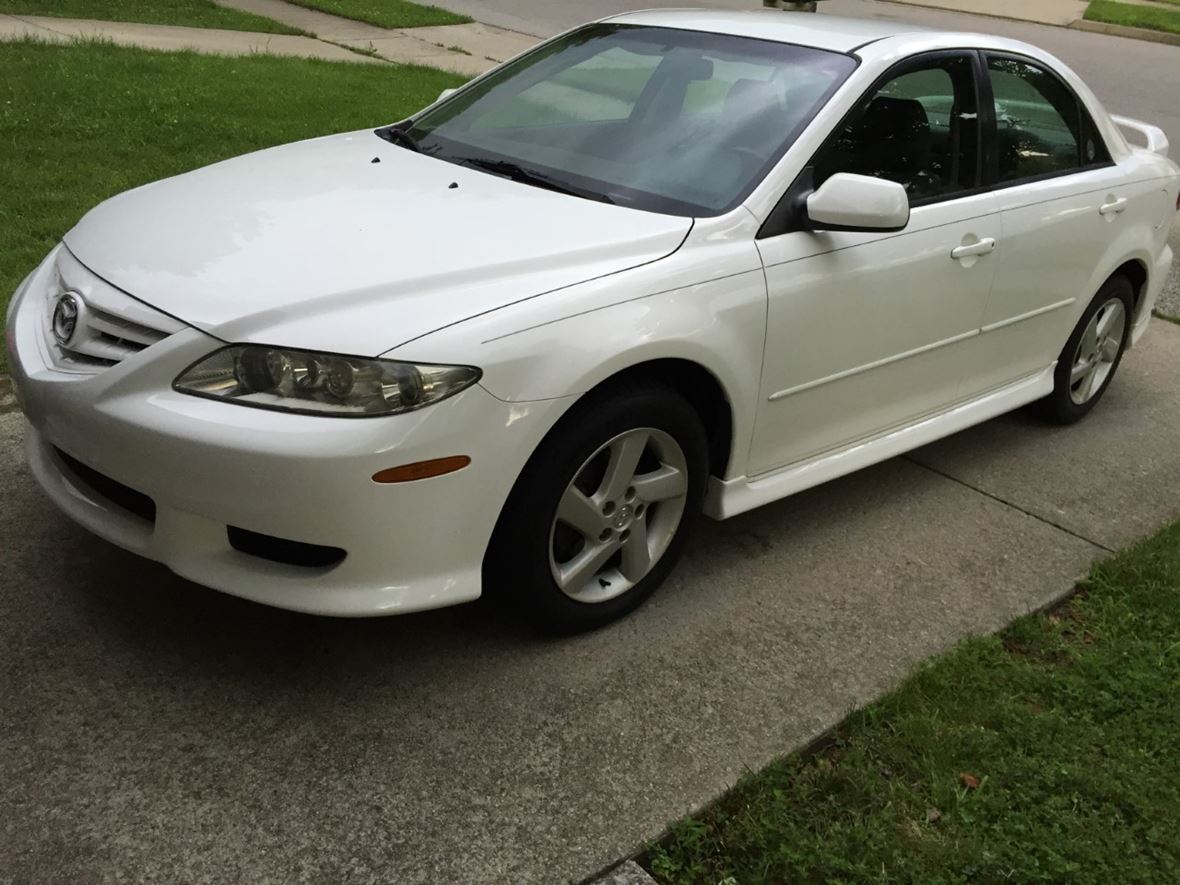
[283,550]
[109,325]
[104,339]
[136,503]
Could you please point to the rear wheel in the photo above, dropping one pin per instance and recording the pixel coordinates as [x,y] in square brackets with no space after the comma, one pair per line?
[597,519]
[1092,355]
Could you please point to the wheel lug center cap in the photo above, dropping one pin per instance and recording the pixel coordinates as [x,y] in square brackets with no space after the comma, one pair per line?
[622,517]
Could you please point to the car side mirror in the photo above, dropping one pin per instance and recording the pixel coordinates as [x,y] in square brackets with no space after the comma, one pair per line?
[445,94]
[850,202]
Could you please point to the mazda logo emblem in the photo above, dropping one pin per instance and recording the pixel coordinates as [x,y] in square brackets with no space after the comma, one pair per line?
[65,317]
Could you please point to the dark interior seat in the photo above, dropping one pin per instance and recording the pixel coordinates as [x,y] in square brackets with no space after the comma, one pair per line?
[890,140]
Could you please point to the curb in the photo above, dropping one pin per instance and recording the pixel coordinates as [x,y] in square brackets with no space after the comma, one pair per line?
[626,873]
[1000,16]
[1125,31]
[629,872]
[7,396]
[1076,25]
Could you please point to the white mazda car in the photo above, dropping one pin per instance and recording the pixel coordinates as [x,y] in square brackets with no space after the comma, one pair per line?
[663,263]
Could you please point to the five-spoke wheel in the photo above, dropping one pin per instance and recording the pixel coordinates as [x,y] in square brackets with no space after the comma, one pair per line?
[1091,356]
[618,515]
[598,517]
[1099,347]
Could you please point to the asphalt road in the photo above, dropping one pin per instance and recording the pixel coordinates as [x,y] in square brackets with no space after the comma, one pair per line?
[154,731]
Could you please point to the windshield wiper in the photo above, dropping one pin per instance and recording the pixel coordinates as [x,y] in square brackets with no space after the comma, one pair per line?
[516,172]
[394,135]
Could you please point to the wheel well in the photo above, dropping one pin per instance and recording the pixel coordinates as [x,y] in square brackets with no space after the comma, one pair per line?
[702,390]
[1136,274]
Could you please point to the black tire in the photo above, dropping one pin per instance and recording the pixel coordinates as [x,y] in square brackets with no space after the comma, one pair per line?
[517,564]
[1059,406]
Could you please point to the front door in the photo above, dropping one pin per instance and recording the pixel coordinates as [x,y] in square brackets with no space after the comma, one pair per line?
[865,331]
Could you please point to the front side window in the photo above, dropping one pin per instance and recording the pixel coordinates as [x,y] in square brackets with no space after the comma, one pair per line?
[920,129]
[681,122]
[1041,128]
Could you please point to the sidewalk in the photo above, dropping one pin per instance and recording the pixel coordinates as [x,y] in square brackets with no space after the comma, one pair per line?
[467,49]
[1060,13]
[484,43]
[206,40]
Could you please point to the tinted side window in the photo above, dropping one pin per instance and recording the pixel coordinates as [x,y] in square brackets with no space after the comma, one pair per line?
[920,129]
[1040,126]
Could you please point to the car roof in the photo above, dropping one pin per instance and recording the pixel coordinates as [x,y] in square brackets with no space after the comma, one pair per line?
[832,32]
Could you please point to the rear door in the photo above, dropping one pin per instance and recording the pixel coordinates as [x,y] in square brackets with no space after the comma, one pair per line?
[1061,200]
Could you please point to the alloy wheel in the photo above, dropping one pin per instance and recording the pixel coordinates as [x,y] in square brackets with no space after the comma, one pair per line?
[618,515]
[1097,351]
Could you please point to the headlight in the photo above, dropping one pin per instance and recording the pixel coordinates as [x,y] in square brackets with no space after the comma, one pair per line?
[320,383]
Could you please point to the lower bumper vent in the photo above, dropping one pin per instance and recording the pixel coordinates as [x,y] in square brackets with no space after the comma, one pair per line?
[136,503]
[283,550]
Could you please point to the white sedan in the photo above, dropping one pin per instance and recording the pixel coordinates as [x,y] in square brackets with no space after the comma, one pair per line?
[664,263]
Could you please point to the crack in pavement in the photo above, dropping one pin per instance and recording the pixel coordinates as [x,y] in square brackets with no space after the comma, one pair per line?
[1007,503]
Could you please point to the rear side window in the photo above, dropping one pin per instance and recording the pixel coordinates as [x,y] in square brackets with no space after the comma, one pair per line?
[1041,127]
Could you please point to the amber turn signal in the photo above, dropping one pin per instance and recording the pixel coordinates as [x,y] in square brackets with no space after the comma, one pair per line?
[422,469]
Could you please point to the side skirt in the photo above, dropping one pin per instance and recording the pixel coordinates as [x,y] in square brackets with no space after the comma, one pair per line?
[726,498]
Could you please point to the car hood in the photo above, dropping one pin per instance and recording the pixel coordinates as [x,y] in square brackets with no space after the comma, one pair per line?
[350,244]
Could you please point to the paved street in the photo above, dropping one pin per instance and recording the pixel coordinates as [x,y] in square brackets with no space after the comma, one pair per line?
[155,731]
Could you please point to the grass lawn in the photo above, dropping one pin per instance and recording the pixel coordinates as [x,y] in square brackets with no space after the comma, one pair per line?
[386,13]
[1047,753]
[1135,16]
[194,13]
[122,117]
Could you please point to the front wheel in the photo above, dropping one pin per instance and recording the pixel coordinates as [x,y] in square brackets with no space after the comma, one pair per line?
[598,518]
[1092,355]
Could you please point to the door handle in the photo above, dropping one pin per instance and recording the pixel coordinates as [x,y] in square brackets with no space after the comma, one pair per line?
[981,248]
[1113,207]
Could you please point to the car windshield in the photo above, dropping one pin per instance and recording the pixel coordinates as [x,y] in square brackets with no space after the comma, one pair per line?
[665,120]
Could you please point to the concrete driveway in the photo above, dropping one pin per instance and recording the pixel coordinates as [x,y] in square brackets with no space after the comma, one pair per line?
[154,731]
[151,730]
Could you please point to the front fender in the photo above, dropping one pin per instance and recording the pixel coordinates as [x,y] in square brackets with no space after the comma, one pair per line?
[607,326]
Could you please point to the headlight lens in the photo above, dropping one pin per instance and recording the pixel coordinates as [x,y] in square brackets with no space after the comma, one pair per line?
[321,383]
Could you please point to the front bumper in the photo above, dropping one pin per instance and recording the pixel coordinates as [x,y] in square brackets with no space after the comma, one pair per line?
[207,466]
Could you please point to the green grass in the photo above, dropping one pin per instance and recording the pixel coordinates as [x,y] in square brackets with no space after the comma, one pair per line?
[1045,754]
[192,13]
[122,117]
[1133,16]
[386,13]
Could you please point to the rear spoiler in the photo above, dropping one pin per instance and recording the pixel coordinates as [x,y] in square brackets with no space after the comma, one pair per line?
[1157,142]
